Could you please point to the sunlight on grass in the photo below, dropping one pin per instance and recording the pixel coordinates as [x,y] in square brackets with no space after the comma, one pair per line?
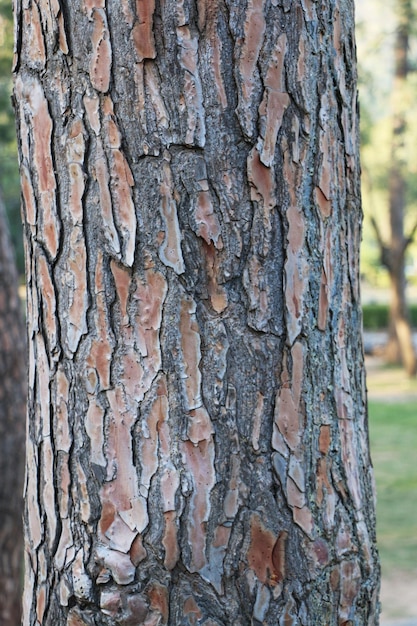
[391,381]
[393,433]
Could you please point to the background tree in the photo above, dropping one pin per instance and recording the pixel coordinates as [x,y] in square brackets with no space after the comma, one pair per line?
[393,173]
[12,431]
[400,346]
[197,438]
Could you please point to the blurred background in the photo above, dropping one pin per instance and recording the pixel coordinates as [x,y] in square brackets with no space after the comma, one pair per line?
[387,55]
[386,36]
[9,174]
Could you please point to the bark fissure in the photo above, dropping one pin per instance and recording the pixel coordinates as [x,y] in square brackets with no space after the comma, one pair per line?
[205,456]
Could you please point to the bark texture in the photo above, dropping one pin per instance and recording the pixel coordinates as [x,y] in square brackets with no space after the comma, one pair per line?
[12,431]
[197,441]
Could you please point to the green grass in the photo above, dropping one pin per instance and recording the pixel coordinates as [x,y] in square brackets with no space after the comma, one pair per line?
[393,432]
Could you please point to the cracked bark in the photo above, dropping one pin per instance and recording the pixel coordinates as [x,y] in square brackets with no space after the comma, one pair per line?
[197,439]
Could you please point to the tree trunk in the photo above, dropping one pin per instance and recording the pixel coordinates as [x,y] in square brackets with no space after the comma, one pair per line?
[12,431]
[400,345]
[197,441]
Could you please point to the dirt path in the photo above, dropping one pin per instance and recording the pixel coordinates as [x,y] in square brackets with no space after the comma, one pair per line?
[399,599]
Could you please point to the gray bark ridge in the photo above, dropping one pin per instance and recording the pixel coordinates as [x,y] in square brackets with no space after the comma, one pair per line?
[197,438]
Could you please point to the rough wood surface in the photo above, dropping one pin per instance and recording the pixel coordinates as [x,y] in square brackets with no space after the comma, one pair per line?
[197,442]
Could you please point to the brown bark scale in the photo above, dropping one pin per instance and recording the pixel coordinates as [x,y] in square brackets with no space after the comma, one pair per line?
[197,444]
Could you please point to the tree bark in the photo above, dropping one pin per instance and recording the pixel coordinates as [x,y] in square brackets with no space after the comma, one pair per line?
[12,431]
[197,440]
[400,347]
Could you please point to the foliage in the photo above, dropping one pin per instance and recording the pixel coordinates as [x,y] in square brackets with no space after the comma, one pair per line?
[376,22]
[376,316]
[9,172]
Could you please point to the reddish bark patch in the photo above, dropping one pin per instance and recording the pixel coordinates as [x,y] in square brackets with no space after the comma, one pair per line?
[350,576]
[159,601]
[200,427]
[192,610]
[221,536]
[40,604]
[287,418]
[304,519]
[33,28]
[63,44]
[170,541]
[275,100]
[297,354]
[262,181]
[137,552]
[273,108]
[101,58]
[122,281]
[254,31]
[295,497]
[335,578]
[260,551]
[279,556]
[323,203]
[324,439]
[199,459]
[92,109]
[142,33]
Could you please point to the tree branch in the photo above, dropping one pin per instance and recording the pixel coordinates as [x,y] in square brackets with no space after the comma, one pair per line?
[383,248]
[409,240]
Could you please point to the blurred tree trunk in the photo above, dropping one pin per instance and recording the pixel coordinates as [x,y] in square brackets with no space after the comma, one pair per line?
[197,447]
[12,431]
[400,347]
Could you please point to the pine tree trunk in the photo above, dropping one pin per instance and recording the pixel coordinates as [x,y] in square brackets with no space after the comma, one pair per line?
[197,447]
[12,431]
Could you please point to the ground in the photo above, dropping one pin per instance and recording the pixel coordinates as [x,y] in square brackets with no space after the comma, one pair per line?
[399,583]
